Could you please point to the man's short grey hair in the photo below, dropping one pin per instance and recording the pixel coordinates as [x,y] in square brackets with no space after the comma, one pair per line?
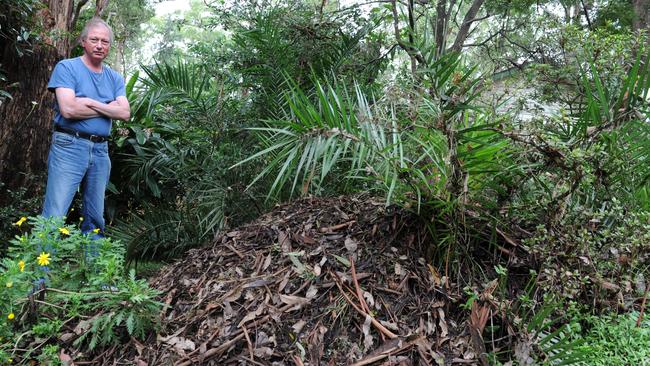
[95,22]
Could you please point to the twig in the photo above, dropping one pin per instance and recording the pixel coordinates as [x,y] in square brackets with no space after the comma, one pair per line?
[239,335]
[374,321]
[397,348]
[336,227]
[357,288]
[48,304]
[642,310]
[250,344]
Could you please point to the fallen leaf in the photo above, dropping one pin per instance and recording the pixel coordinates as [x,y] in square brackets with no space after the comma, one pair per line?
[252,315]
[66,360]
[284,242]
[298,326]
[367,337]
[389,325]
[65,337]
[343,261]
[312,291]
[293,300]
[284,281]
[181,343]
[370,300]
[350,244]
[444,330]
[267,262]
[300,268]
[263,352]
[233,295]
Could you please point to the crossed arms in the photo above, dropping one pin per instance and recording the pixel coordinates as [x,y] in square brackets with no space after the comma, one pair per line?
[72,107]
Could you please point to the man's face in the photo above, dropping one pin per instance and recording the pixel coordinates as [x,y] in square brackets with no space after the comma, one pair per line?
[97,43]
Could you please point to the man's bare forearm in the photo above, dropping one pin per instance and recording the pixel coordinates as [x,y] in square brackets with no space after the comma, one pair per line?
[114,110]
[79,110]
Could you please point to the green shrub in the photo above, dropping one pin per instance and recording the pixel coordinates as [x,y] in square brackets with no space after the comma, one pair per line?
[56,275]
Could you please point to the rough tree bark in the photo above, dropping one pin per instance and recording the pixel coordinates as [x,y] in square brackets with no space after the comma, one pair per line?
[27,118]
[641,14]
[468,20]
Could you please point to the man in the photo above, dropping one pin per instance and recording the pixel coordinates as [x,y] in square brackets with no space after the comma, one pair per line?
[88,95]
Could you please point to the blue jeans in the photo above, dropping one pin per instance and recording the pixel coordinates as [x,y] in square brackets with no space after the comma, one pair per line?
[75,162]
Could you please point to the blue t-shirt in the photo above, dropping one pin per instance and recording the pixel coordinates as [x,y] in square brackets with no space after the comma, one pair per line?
[103,86]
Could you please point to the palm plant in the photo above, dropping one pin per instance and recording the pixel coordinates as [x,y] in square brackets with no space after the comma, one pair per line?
[436,154]
[169,162]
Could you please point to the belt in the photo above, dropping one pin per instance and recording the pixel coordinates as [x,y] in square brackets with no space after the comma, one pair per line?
[83,135]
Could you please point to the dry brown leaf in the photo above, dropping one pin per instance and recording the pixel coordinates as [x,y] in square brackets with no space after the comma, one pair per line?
[298,326]
[312,291]
[181,344]
[284,281]
[368,339]
[389,325]
[444,330]
[370,300]
[263,352]
[284,242]
[398,269]
[65,337]
[252,315]
[267,262]
[293,300]
[351,244]
[66,360]
[233,295]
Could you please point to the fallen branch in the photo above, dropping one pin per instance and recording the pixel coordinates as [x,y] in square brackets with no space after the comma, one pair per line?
[374,321]
[329,229]
[392,347]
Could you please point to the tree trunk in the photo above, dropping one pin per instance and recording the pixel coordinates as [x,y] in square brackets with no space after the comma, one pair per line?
[463,31]
[640,14]
[27,118]
[442,17]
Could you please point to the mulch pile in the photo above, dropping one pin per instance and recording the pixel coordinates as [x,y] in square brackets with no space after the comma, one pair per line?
[335,281]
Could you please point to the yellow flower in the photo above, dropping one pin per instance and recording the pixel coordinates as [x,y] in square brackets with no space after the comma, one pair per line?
[11,316]
[21,265]
[21,221]
[96,231]
[81,218]
[10,284]
[64,231]
[43,259]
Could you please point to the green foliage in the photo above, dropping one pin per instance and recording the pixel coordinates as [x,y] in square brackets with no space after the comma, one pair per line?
[55,275]
[616,340]
[17,34]
[275,39]
[134,307]
[172,160]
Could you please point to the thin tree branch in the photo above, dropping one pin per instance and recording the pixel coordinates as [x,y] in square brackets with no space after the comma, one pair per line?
[470,18]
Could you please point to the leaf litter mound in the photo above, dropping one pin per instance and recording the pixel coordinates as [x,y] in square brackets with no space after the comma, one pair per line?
[327,281]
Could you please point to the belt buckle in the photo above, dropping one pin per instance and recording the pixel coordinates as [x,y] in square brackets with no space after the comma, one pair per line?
[95,138]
